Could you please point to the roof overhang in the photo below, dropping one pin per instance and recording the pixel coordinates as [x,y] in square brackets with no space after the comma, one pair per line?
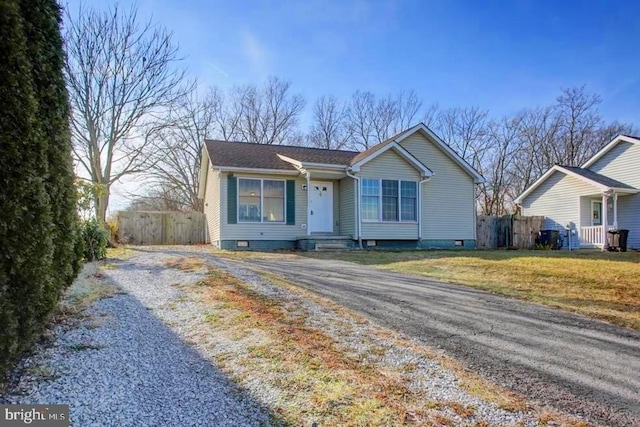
[310,165]
[608,147]
[429,134]
[257,170]
[557,168]
[397,148]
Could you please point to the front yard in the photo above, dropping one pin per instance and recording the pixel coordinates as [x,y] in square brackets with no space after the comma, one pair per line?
[596,284]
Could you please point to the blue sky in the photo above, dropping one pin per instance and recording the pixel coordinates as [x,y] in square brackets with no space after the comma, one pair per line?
[498,55]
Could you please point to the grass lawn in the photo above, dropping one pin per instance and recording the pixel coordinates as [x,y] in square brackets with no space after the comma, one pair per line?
[596,284]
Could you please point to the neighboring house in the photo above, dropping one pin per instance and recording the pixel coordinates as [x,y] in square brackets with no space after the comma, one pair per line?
[601,195]
[411,191]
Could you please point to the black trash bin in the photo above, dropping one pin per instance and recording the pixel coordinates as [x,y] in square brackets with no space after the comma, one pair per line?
[549,238]
[618,240]
[624,235]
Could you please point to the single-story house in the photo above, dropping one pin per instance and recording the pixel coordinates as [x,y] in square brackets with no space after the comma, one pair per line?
[410,191]
[602,195]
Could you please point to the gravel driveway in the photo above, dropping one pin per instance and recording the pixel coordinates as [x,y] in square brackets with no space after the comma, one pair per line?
[132,361]
[573,363]
[133,370]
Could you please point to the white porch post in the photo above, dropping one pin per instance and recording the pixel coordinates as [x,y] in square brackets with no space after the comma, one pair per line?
[308,207]
[615,211]
[605,222]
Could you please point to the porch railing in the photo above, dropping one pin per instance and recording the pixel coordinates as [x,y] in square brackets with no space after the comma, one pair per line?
[592,236]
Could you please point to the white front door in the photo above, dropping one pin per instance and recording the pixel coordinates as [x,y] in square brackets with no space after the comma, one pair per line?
[320,207]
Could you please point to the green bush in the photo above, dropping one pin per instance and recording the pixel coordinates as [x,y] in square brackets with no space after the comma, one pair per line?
[95,238]
[114,232]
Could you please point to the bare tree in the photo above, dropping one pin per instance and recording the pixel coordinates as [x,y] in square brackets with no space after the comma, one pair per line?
[329,127]
[385,114]
[408,107]
[360,120]
[226,115]
[371,120]
[503,141]
[121,76]
[538,132]
[157,199]
[177,151]
[465,130]
[266,115]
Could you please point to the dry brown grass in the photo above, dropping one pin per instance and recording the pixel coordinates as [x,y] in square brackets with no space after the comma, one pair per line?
[468,380]
[185,264]
[315,378]
[601,285]
[90,285]
[121,252]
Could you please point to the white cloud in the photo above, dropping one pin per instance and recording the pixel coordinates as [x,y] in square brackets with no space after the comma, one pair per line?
[255,52]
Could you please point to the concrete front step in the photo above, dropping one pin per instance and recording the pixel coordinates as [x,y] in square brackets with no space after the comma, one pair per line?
[324,246]
[325,243]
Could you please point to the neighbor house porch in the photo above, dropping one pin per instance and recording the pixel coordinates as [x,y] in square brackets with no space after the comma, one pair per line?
[598,215]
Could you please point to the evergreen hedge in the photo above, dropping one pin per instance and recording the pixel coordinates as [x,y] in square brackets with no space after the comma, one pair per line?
[39,232]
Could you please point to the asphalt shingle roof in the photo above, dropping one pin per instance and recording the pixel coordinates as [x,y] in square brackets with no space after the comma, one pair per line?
[596,177]
[262,156]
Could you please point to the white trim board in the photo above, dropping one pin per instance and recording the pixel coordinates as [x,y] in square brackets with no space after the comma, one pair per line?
[425,131]
[402,152]
[608,147]
[557,168]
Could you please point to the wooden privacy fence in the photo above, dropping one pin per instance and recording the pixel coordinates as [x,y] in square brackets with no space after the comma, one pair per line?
[162,228]
[508,231]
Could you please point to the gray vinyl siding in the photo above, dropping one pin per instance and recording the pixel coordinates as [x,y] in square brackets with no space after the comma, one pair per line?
[336,207]
[212,204]
[559,200]
[264,231]
[389,165]
[347,207]
[622,163]
[448,199]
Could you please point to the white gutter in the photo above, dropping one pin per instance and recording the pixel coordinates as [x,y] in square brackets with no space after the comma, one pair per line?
[257,170]
[358,216]
[420,206]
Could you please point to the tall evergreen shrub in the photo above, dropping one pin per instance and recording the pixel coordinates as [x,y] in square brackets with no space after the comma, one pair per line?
[38,257]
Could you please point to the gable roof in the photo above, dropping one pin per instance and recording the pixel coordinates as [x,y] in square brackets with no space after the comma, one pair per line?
[444,147]
[615,141]
[288,158]
[382,148]
[601,182]
[261,156]
[597,178]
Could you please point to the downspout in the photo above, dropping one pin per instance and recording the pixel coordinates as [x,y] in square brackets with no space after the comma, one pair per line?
[358,216]
[420,206]
[308,208]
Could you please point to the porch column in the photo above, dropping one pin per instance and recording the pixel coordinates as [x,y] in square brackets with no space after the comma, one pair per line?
[615,211]
[605,222]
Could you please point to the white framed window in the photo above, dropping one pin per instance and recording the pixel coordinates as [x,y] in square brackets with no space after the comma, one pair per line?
[389,200]
[261,200]
[408,201]
[370,199]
